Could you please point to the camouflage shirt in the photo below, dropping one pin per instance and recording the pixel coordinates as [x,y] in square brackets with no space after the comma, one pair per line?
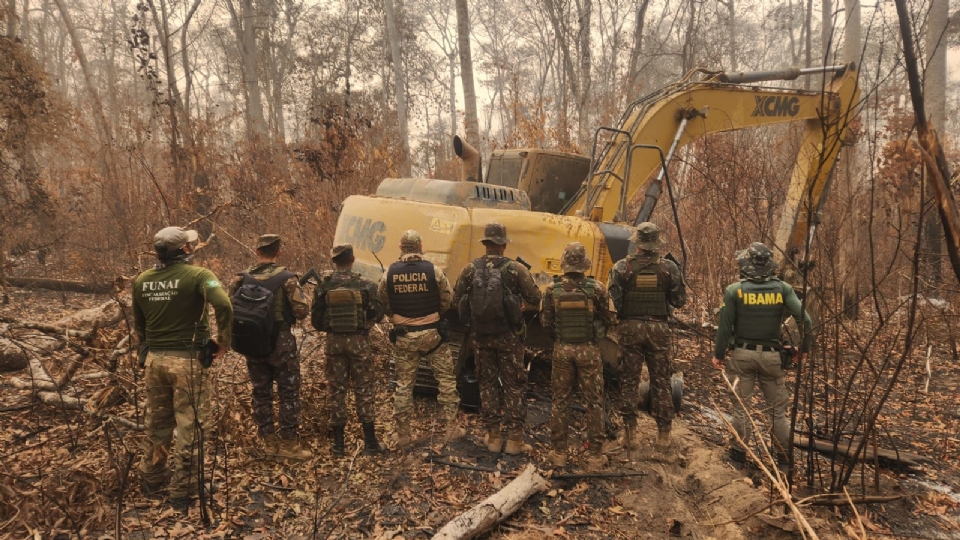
[602,303]
[617,281]
[334,279]
[516,278]
[446,295]
[292,292]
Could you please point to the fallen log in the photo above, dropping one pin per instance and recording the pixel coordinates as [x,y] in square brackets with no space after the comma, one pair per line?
[60,285]
[495,508]
[847,449]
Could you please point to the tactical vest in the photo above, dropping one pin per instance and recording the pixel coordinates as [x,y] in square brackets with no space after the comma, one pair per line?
[759,312]
[345,309]
[282,310]
[412,289]
[645,294]
[574,318]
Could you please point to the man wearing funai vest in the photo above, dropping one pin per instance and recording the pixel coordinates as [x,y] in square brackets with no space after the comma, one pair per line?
[750,317]
[415,294]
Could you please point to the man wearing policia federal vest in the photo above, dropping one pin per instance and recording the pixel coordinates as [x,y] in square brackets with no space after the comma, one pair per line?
[415,294]
[577,311]
[282,366]
[643,287]
[170,317]
[750,318]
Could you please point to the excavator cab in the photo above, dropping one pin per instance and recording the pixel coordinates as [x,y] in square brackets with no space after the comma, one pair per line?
[548,177]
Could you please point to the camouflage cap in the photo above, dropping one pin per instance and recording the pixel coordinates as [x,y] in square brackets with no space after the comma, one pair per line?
[756,262]
[647,236]
[496,233]
[575,258]
[171,238]
[266,239]
[341,251]
[410,241]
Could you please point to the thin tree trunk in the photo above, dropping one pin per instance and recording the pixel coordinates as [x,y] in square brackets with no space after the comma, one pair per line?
[98,115]
[585,12]
[11,18]
[934,98]
[732,37]
[826,31]
[633,74]
[399,86]
[256,126]
[452,61]
[808,26]
[850,237]
[934,158]
[466,73]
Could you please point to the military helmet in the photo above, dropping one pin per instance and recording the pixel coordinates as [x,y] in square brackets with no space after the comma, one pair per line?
[756,262]
[647,236]
[495,233]
[341,252]
[575,258]
[410,241]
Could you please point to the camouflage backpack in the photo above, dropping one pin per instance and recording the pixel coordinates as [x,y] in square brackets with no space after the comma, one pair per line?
[492,307]
[646,294]
[344,311]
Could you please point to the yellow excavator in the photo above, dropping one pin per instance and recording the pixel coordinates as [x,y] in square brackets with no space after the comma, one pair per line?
[547,199]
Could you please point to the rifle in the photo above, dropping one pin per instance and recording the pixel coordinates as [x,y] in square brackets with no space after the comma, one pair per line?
[311,273]
[523,262]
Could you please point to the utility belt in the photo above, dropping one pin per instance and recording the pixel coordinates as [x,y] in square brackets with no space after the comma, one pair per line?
[757,347]
[364,332]
[648,318]
[442,326]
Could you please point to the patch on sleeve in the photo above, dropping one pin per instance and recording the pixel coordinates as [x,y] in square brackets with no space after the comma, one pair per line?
[213,284]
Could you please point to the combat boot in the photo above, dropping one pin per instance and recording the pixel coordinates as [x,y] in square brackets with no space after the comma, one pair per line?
[292,449]
[371,446]
[596,463]
[337,448]
[515,445]
[663,437]
[630,435]
[454,431]
[493,440]
[270,444]
[557,458]
[401,437]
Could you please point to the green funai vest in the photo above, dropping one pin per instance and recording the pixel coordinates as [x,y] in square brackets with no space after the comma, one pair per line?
[574,311]
[345,311]
[759,312]
[645,294]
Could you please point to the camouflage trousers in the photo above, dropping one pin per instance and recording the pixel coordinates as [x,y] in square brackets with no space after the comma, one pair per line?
[283,368]
[177,409]
[499,360]
[646,341]
[349,360]
[410,348]
[763,368]
[581,364]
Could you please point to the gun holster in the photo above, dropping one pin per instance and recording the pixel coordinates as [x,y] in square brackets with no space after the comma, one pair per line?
[207,350]
[787,355]
[398,330]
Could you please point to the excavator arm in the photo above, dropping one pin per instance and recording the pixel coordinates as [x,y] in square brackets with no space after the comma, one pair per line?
[683,112]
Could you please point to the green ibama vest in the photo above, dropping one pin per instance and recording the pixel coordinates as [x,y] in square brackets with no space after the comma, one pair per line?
[645,294]
[759,312]
[574,311]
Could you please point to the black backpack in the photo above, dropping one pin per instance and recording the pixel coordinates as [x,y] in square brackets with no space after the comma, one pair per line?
[255,331]
[493,308]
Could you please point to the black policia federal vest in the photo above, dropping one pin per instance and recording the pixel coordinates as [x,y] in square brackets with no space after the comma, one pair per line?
[574,311]
[645,294]
[759,312]
[412,289]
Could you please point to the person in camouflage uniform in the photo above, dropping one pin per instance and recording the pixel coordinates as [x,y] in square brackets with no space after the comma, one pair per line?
[415,294]
[170,321]
[576,314]
[499,348]
[643,287]
[751,315]
[283,365]
[346,306]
